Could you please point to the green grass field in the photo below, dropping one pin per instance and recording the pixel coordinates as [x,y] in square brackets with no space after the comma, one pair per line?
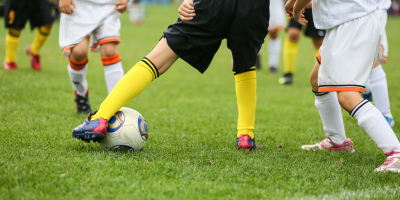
[191,152]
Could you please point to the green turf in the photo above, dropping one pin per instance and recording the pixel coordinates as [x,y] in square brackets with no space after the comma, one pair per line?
[191,152]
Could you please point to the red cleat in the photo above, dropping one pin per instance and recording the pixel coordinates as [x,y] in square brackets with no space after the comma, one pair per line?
[11,66]
[246,142]
[35,60]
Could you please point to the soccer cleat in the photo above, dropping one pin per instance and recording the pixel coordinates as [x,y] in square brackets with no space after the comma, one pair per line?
[273,69]
[286,79]
[392,163]
[246,142]
[35,60]
[95,130]
[82,103]
[11,66]
[390,120]
[327,144]
[368,96]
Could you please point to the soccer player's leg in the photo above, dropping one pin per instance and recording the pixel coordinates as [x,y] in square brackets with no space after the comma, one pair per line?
[129,86]
[15,19]
[245,42]
[113,70]
[42,18]
[77,70]
[331,117]
[352,84]
[290,51]
[277,22]
[378,88]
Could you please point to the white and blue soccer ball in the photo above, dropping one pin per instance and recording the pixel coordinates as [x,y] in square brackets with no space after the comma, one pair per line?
[127,131]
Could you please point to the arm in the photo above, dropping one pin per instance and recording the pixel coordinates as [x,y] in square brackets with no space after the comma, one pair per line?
[121,5]
[298,9]
[67,6]
[186,11]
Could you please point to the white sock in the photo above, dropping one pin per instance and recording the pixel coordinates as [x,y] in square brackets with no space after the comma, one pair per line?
[331,115]
[379,90]
[274,50]
[372,121]
[78,80]
[113,73]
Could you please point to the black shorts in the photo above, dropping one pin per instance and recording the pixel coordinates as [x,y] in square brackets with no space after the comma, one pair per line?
[18,12]
[244,23]
[310,31]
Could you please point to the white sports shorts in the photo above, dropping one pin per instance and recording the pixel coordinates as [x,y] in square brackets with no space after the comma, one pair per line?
[348,54]
[277,16]
[99,21]
[383,51]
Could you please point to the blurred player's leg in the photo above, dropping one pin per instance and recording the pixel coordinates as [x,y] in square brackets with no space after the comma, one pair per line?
[12,39]
[277,21]
[377,87]
[77,69]
[33,51]
[290,51]
[331,115]
[274,50]
[136,12]
[113,70]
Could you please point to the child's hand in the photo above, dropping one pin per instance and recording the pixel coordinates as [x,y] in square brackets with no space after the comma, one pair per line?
[186,11]
[121,5]
[67,6]
[299,17]
[289,8]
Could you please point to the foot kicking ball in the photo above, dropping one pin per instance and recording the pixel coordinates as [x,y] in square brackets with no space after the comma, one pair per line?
[127,131]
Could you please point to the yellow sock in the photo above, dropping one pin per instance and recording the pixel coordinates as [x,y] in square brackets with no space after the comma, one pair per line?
[246,86]
[316,52]
[290,51]
[12,39]
[129,87]
[41,35]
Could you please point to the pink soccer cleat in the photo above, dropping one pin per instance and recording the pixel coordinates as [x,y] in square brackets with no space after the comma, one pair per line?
[327,144]
[392,164]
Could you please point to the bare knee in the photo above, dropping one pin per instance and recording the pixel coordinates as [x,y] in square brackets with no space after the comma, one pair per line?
[47,26]
[79,53]
[273,35]
[293,34]
[108,49]
[349,99]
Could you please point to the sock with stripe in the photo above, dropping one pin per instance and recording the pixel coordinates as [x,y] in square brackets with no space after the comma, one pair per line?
[330,111]
[77,73]
[12,40]
[379,89]
[113,70]
[40,38]
[246,87]
[274,50]
[372,121]
[129,87]
[290,51]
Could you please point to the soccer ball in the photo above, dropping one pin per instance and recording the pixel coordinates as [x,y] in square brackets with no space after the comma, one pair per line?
[127,131]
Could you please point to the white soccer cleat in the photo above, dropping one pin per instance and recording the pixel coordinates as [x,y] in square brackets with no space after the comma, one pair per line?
[392,164]
[327,144]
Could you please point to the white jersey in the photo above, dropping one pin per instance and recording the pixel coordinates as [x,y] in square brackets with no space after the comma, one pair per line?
[330,13]
[101,1]
[384,4]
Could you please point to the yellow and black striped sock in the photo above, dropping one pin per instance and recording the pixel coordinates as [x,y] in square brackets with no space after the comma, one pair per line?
[290,51]
[316,52]
[129,87]
[246,87]
[41,35]
[12,40]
